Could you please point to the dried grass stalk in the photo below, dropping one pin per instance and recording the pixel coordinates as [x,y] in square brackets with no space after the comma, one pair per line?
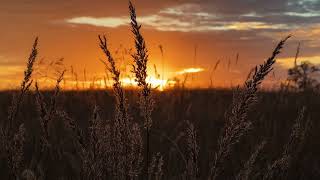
[238,124]
[25,85]
[12,140]
[46,112]
[140,57]
[126,142]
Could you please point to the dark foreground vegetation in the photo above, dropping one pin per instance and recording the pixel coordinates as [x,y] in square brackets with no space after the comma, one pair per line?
[177,134]
[273,117]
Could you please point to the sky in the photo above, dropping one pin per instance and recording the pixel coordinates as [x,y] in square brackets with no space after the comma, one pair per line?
[193,34]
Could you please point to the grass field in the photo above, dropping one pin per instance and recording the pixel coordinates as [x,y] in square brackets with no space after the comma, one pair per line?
[142,133]
[273,117]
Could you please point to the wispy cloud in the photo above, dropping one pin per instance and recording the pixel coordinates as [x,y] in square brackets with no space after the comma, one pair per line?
[289,62]
[205,17]
[304,14]
[111,22]
[164,23]
[308,33]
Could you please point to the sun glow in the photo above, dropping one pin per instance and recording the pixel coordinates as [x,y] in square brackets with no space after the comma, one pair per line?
[169,79]
[156,83]
[102,83]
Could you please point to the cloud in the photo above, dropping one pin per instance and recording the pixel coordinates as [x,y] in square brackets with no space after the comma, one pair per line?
[182,9]
[206,16]
[190,71]
[309,34]
[166,23]
[305,14]
[111,22]
[289,62]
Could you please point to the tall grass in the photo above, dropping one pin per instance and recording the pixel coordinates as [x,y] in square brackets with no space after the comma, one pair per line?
[125,138]
[12,140]
[140,58]
[238,124]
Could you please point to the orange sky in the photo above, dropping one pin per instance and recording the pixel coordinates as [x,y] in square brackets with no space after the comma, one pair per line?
[217,29]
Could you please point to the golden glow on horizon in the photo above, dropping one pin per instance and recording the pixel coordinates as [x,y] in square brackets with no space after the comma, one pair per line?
[10,70]
[157,83]
[190,71]
[100,83]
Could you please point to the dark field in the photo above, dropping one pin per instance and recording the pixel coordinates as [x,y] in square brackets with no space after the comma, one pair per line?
[273,117]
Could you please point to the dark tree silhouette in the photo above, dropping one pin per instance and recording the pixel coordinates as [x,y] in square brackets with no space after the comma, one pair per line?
[304,76]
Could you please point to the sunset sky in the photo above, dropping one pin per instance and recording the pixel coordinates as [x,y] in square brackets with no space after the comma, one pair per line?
[193,34]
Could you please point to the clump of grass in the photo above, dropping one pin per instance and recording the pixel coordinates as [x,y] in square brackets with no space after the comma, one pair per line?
[126,142]
[140,57]
[92,155]
[47,112]
[238,124]
[51,107]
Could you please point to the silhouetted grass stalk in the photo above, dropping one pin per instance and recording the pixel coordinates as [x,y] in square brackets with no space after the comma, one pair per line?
[127,141]
[238,124]
[140,58]
[13,140]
